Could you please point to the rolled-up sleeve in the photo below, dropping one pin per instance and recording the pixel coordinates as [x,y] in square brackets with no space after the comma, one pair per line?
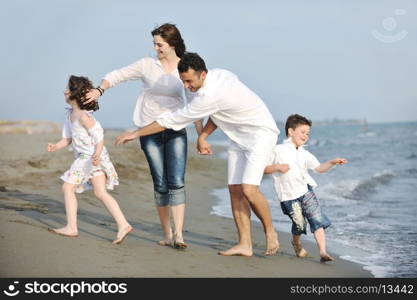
[199,108]
[130,72]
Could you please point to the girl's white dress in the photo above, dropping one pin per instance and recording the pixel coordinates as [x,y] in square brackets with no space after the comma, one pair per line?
[83,144]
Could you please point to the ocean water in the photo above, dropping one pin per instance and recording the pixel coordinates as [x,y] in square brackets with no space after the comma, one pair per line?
[371,201]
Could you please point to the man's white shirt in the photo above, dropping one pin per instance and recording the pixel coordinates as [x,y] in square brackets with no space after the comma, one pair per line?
[232,106]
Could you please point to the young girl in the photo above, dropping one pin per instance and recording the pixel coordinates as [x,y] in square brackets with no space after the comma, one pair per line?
[92,166]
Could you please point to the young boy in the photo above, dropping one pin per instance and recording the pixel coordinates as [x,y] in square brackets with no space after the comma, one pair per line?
[289,166]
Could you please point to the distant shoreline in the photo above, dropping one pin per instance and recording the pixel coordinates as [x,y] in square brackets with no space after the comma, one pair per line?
[45,126]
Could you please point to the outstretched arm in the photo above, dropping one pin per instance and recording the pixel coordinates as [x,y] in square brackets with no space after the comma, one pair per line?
[324,167]
[61,144]
[203,147]
[196,110]
[132,71]
[126,137]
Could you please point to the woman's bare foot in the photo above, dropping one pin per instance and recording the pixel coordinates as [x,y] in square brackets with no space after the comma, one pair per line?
[168,240]
[325,257]
[64,231]
[237,250]
[272,244]
[121,235]
[165,242]
[179,243]
[178,238]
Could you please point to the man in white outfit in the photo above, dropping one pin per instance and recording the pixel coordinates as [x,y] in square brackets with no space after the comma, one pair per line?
[246,121]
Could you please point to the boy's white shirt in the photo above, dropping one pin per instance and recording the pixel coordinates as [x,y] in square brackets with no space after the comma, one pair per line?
[293,184]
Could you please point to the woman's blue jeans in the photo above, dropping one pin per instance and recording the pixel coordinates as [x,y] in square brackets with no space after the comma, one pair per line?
[166,153]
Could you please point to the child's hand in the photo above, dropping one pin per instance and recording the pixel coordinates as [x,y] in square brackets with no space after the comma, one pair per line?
[96,159]
[51,147]
[203,147]
[338,161]
[124,138]
[283,168]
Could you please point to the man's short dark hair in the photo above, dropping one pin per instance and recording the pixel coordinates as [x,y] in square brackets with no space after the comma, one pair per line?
[193,61]
[294,121]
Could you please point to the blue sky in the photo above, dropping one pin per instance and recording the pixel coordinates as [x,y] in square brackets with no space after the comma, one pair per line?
[317,58]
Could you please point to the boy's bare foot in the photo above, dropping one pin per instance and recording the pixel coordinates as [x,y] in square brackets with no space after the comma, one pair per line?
[272,244]
[299,250]
[325,257]
[64,231]
[121,235]
[237,251]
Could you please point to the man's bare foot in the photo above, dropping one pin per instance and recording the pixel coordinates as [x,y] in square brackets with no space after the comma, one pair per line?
[272,244]
[121,235]
[325,257]
[64,231]
[237,251]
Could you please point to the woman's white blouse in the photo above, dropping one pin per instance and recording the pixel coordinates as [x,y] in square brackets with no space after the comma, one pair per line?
[161,93]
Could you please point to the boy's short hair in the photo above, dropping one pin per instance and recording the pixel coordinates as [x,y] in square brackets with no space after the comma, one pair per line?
[193,61]
[296,120]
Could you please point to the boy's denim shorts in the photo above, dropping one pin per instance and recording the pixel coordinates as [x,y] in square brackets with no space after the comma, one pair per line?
[302,208]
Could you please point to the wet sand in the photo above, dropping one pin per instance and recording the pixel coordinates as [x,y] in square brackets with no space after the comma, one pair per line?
[31,201]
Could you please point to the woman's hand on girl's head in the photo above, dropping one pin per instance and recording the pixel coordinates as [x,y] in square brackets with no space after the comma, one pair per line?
[92,95]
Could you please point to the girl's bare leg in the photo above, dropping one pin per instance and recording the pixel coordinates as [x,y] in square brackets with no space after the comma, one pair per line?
[99,187]
[71,206]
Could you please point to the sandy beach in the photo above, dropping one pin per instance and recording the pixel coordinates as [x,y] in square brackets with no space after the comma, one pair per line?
[31,201]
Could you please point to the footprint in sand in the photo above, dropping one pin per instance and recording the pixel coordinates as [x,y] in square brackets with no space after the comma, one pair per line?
[37,163]
[26,223]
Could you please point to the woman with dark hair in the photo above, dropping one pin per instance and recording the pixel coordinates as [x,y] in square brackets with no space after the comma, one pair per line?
[166,152]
